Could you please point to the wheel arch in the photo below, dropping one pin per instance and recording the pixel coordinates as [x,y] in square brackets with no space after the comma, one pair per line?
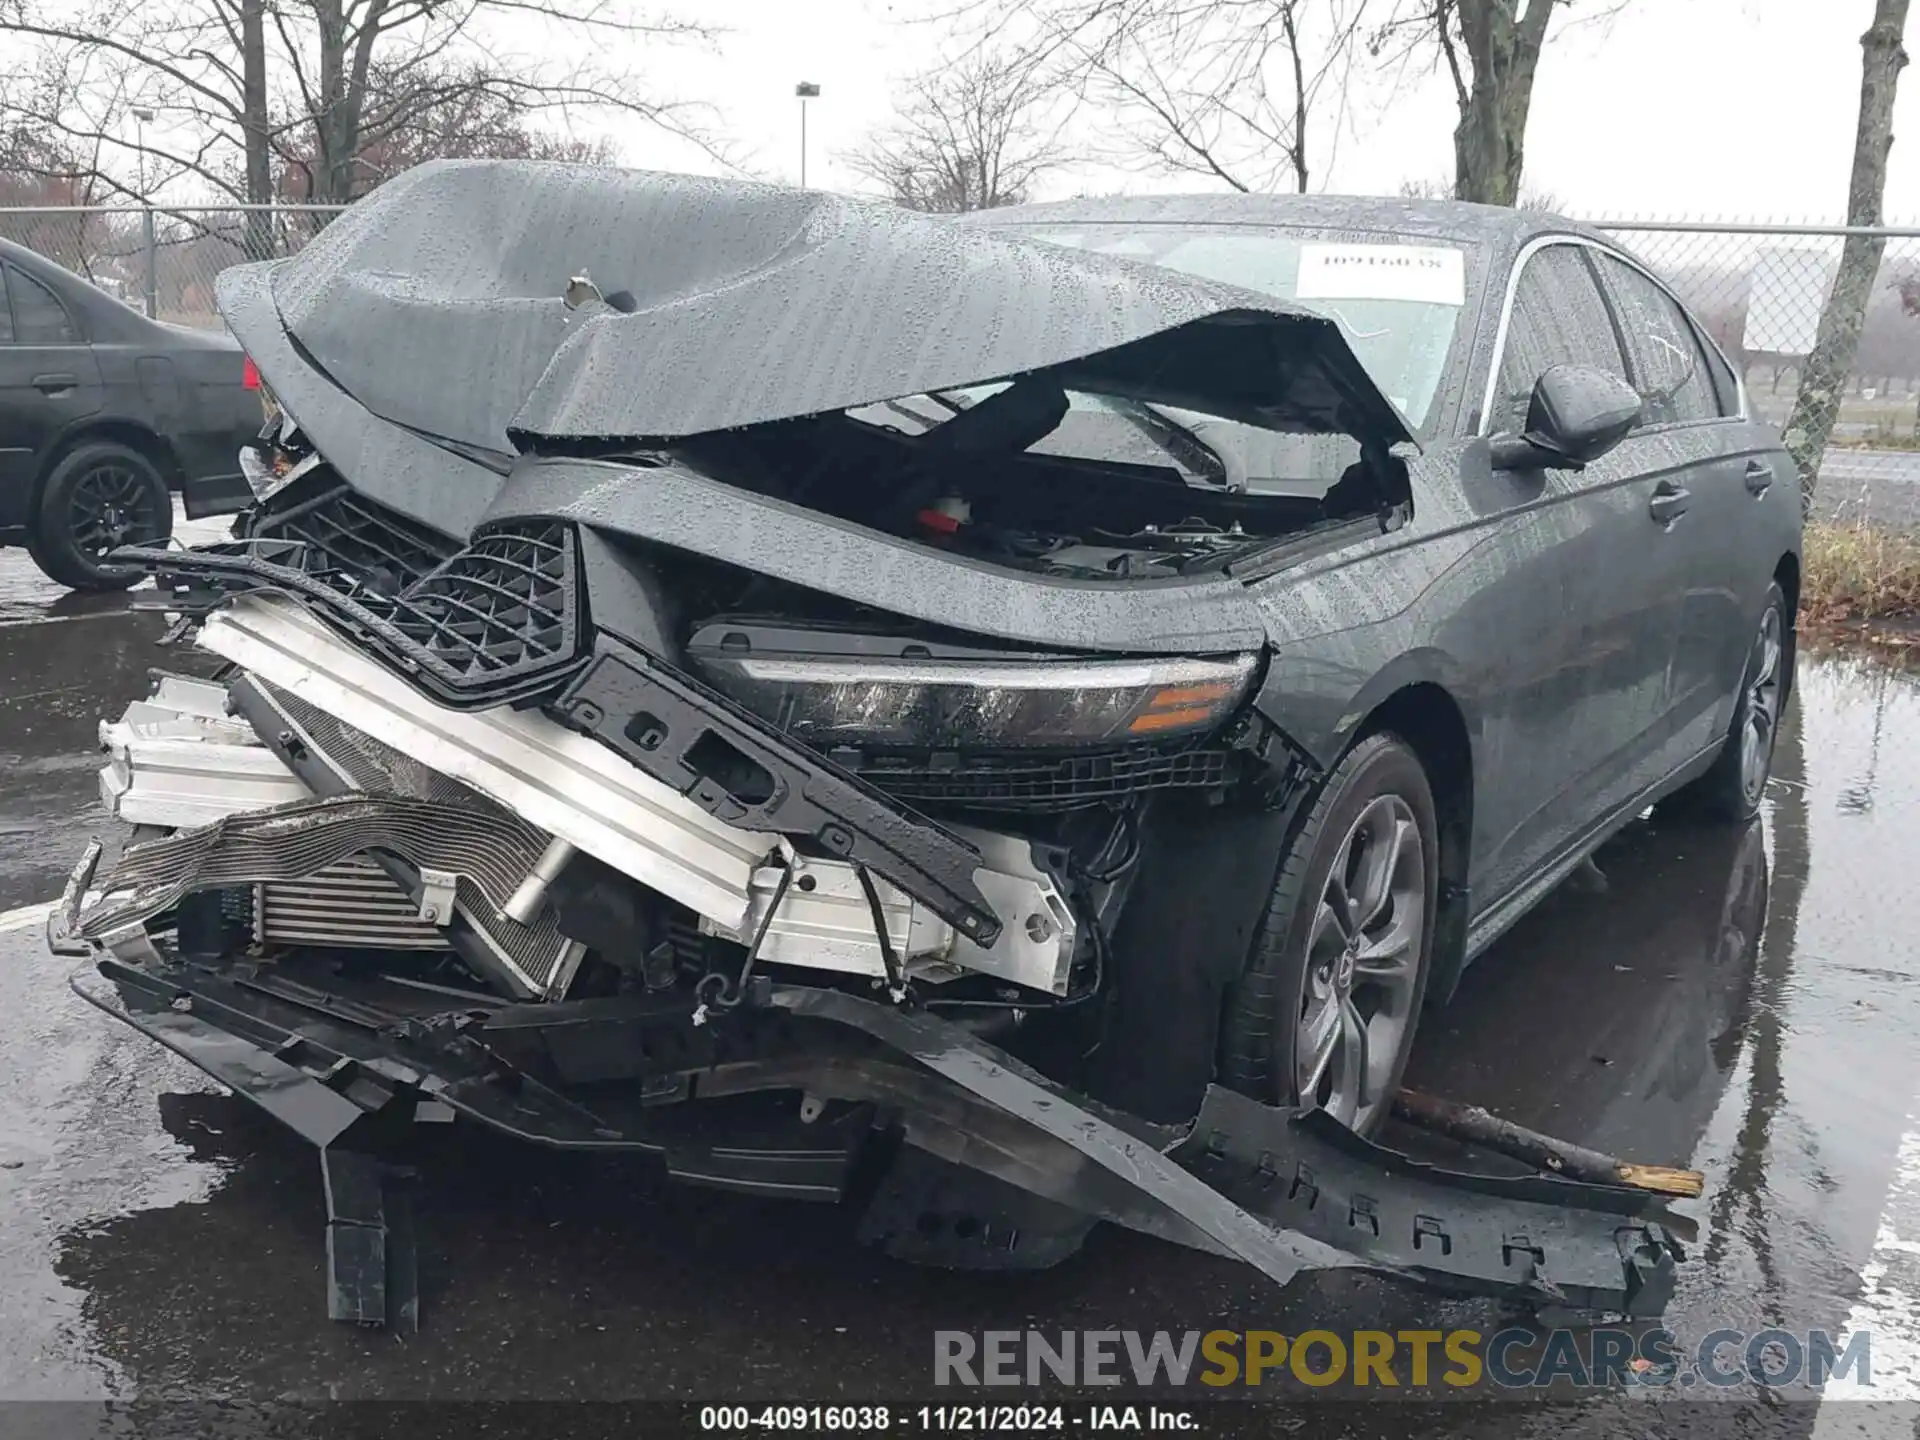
[1786,574]
[1426,714]
[144,442]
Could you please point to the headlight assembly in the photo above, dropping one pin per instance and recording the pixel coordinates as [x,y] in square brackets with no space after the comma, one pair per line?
[969,704]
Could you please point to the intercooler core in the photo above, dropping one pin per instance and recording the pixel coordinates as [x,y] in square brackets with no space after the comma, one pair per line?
[352,903]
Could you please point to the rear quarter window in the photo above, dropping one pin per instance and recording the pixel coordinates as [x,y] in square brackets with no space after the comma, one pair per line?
[38,316]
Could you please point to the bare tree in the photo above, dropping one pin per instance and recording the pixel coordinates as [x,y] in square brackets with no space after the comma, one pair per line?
[1491,51]
[969,136]
[1228,88]
[35,173]
[465,114]
[1823,379]
[243,90]
[1223,89]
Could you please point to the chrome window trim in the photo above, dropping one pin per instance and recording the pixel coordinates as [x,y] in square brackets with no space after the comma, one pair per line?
[1534,247]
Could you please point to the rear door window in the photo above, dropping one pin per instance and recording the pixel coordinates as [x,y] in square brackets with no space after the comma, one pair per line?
[1669,367]
[1558,318]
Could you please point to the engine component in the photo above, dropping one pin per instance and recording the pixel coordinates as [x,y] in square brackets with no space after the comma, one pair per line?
[178,761]
[289,842]
[824,920]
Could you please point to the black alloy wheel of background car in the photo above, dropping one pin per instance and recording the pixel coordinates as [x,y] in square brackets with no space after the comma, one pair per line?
[99,496]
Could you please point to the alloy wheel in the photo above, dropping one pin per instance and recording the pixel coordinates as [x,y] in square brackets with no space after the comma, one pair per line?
[1761,711]
[110,506]
[1363,957]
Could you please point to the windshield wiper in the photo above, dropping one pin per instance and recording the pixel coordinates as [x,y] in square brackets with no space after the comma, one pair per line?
[1185,447]
[1194,456]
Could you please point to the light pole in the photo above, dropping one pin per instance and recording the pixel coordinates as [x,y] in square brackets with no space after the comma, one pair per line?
[806,90]
[140,118]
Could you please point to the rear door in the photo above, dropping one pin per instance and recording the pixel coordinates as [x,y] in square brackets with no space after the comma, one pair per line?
[1581,720]
[48,379]
[1690,438]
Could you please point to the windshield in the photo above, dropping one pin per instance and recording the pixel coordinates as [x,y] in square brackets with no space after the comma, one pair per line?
[1397,304]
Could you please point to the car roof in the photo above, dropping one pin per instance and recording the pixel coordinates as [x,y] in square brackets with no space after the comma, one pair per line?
[1499,227]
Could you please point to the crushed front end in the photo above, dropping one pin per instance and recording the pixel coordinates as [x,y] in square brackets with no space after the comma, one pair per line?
[675,793]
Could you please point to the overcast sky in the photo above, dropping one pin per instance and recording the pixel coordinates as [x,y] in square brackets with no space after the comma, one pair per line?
[1674,107]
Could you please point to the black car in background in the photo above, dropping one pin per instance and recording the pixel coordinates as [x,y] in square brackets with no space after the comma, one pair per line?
[103,414]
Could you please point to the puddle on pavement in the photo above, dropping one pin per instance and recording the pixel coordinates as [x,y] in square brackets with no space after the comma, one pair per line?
[28,597]
[1737,1000]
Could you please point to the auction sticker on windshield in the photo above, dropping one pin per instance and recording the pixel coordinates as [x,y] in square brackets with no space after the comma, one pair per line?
[1432,274]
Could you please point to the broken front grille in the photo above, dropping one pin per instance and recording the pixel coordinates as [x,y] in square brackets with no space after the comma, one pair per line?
[495,623]
[1025,783]
[500,613]
[354,545]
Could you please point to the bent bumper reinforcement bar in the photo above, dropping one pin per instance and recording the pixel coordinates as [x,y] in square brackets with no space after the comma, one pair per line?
[643,808]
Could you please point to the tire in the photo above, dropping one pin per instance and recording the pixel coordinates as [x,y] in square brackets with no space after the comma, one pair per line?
[1731,790]
[1299,966]
[98,495]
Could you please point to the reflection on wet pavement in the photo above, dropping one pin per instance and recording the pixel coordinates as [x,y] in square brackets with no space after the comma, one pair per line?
[160,1239]
[27,596]
[67,660]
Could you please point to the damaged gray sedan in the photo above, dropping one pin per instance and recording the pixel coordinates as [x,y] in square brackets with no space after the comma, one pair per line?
[1004,723]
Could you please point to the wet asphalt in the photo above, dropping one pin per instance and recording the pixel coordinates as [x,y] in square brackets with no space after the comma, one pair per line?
[1743,1002]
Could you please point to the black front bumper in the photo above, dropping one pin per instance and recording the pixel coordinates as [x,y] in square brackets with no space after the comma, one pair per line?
[350,1068]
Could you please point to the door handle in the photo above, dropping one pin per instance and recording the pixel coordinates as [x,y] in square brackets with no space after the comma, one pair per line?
[1669,501]
[1759,477]
[55,384]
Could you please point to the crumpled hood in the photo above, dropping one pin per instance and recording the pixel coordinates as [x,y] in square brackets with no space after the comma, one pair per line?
[437,303]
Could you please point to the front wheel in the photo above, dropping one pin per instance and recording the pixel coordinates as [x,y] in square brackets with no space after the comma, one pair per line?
[1324,1016]
[1731,790]
[99,496]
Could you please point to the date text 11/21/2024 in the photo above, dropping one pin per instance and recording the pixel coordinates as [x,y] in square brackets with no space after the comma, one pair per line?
[940,1419]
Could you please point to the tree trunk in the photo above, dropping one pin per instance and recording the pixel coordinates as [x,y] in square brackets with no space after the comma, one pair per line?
[1823,380]
[254,122]
[1299,98]
[1503,47]
[333,162]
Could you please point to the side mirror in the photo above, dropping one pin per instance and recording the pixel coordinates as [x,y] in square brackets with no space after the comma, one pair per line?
[1576,415]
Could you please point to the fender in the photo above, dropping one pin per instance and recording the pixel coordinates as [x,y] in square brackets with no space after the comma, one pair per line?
[1323,718]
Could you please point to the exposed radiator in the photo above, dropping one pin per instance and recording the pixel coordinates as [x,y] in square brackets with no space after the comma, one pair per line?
[353,904]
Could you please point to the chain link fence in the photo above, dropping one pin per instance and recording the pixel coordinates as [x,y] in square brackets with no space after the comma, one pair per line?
[1761,290]
[163,262]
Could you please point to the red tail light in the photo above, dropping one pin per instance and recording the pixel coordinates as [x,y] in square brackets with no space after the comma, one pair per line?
[249,373]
